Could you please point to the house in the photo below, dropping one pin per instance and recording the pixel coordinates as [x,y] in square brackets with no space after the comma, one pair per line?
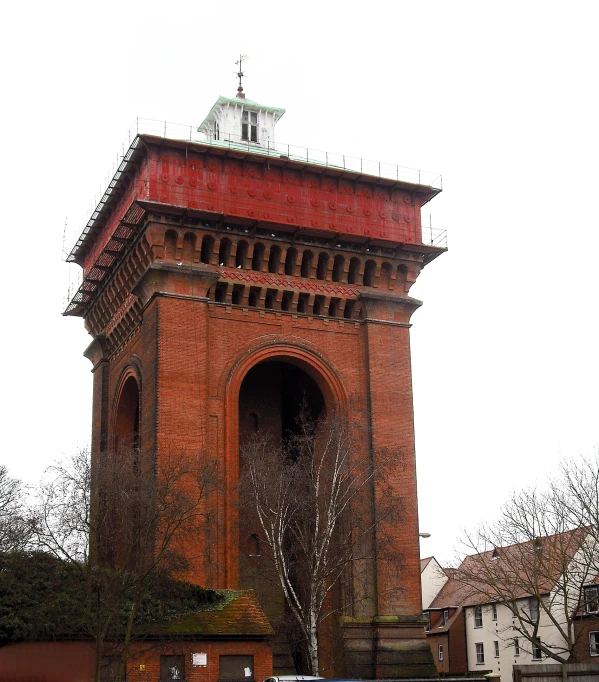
[446,629]
[528,603]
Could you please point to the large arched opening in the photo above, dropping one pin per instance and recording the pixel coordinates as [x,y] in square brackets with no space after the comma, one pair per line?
[276,398]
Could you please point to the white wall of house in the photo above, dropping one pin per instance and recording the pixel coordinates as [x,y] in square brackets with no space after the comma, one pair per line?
[433,578]
[501,630]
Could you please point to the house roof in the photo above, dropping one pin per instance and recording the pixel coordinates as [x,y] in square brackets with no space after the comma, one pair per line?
[424,563]
[239,615]
[513,572]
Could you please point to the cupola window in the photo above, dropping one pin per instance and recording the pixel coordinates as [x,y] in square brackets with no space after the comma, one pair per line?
[249,126]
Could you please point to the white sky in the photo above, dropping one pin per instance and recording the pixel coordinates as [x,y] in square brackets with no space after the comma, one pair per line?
[501,98]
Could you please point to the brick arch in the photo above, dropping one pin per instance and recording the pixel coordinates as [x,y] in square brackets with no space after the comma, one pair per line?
[130,373]
[331,387]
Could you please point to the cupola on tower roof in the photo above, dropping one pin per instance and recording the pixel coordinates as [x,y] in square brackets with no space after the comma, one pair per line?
[240,120]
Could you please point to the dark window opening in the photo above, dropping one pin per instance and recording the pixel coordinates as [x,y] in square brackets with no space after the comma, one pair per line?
[369,272]
[258,257]
[354,271]
[237,294]
[334,307]
[254,297]
[321,267]
[338,268]
[274,259]
[306,264]
[385,275]
[236,668]
[348,311]
[591,599]
[290,261]
[189,244]
[241,255]
[302,303]
[220,292]
[271,297]
[318,305]
[287,300]
[172,668]
[207,249]
[224,252]
[253,545]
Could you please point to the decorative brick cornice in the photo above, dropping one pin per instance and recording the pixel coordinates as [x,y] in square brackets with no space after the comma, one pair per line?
[290,283]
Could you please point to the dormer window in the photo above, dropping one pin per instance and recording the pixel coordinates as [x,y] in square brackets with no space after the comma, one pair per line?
[444,618]
[249,126]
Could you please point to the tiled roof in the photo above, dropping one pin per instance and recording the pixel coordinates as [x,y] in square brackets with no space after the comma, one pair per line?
[452,593]
[510,570]
[240,615]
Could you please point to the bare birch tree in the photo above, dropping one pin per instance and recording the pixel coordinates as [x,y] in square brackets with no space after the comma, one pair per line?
[310,496]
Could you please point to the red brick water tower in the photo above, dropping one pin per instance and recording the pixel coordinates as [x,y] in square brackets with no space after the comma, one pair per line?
[227,275]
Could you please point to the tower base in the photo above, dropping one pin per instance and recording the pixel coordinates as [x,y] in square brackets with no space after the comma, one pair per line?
[387,647]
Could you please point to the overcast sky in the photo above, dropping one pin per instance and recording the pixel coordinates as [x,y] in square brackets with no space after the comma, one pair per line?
[500,98]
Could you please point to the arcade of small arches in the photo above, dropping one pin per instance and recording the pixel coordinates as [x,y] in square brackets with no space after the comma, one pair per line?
[296,260]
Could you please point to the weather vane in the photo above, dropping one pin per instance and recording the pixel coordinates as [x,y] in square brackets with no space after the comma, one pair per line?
[240,73]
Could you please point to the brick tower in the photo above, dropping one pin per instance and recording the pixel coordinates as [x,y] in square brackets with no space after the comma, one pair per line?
[222,278]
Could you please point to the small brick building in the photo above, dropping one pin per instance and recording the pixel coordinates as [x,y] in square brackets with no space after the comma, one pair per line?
[229,642]
[226,277]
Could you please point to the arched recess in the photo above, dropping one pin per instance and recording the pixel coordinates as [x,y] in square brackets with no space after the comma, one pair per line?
[126,421]
[335,398]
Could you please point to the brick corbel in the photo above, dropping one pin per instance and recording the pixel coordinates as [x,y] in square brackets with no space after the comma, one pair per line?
[96,351]
[388,307]
[188,281]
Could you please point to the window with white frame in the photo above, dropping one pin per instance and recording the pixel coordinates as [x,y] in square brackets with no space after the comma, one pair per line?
[591,599]
[533,609]
[496,648]
[478,616]
[537,654]
[480,653]
[444,617]
[440,652]
[494,607]
[594,643]
[249,126]
[516,646]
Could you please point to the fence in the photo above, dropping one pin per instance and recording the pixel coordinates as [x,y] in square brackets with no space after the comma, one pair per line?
[554,672]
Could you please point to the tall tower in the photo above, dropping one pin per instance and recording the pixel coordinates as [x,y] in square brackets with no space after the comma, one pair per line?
[224,277]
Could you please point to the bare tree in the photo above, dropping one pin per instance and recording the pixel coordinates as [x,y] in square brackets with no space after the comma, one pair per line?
[535,561]
[123,528]
[15,531]
[310,495]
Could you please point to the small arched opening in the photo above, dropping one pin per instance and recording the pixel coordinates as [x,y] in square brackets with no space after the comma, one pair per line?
[354,271]
[338,268]
[207,249]
[224,252]
[322,265]
[306,267]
